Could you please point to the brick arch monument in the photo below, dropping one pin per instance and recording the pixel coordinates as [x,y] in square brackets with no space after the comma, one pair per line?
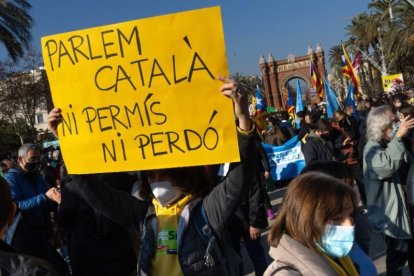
[276,73]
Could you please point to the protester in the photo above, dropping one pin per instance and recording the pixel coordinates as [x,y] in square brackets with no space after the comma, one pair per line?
[263,176]
[363,230]
[346,144]
[247,224]
[387,208]
[47,172]
[313,232]
[286,127]
[305,122]
[6,165]
[183,205]
[35,199]
[96,245]
[408,139]
[316,146]
[273,135]
[12,262]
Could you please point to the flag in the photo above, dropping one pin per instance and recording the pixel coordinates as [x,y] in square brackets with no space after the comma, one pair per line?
[316,79]
[286,161]
[253,106]
[260,114]
[299,103]
[290,105]
[350,98]
[332,103]
[349,71]
[260,103]
[357,61]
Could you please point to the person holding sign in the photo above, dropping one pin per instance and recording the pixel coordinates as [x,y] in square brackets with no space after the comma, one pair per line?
[184,221]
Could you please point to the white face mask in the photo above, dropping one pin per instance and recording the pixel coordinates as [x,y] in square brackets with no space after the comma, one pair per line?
[164,192]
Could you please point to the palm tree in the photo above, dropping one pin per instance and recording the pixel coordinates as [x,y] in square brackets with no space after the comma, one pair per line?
[358,33]
[335,60]
[249,82]
[399,41]
[15,25]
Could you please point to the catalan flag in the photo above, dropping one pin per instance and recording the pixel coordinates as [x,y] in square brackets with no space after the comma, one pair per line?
[349,71]
[316,79]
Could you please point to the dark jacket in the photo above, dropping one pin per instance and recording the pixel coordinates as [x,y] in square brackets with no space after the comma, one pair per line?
[316,149]
[96,245]
[287,129]
[14,264]
[263,164]
[251,212]
[220,205]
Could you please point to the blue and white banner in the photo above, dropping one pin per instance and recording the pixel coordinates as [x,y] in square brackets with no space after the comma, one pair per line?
[286,161]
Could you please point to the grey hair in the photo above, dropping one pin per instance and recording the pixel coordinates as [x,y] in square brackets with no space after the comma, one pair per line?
[378,122]
[23,150]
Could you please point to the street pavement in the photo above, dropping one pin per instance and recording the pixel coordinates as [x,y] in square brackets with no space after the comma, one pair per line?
[377,249]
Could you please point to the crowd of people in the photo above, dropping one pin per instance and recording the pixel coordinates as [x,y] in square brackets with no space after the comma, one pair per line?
[191,221]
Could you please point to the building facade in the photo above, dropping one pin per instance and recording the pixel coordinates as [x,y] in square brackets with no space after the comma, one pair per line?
[277,75]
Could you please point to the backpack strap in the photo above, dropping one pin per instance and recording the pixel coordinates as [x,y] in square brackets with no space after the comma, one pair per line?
[205,232]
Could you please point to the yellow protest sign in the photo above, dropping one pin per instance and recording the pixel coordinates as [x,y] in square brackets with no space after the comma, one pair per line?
[142,94]
[392,83]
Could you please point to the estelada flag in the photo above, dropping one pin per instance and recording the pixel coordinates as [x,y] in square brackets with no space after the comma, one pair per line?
[260,114]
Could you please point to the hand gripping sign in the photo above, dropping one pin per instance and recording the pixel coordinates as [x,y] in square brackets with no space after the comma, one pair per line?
[142,94]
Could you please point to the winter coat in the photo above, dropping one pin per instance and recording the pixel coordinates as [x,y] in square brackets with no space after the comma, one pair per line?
[292,258]
[14,264]
[96,245]
[386,203]
[315,149]
[219,205]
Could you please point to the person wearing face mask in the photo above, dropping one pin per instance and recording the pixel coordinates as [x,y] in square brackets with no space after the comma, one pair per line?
[35,200]
[316,146]
[384,154]
[274,135]
[313,232]
[359,253]
[183,220]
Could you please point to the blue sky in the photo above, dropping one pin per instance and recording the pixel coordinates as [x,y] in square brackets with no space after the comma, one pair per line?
[251,28]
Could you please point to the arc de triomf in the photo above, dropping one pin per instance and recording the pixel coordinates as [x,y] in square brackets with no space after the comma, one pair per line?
[277,74]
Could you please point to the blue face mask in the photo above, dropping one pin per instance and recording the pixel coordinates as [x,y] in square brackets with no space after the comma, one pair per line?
[269,128]
[337,240]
